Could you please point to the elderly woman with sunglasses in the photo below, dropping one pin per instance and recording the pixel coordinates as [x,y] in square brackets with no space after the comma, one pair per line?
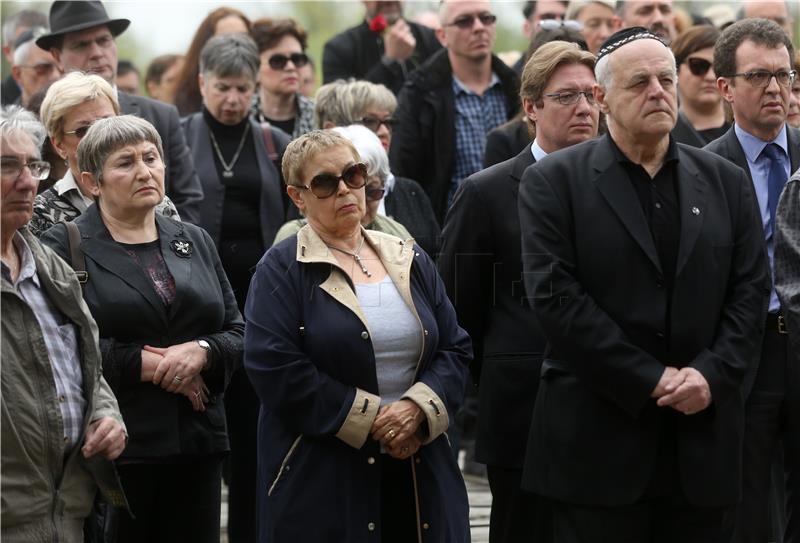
[355,353]
[70,107]
[701,116]
[170,333]
[282,44]
[374,158]
[343,103]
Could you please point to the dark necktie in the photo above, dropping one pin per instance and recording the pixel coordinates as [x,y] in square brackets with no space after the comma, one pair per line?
[776,179]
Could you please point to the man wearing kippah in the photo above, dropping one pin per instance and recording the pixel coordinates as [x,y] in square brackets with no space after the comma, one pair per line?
[644,266]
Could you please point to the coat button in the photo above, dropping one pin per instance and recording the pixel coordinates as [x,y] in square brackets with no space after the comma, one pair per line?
[425,526]
[371,526]
[371,460]
[660,335]
[425,332]
[364,335]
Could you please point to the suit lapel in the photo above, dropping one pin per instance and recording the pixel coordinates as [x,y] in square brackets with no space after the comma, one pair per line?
[615,186]
[736,153]
[177,257]
[98,245]
[128,104]
[692,200]
[518,166]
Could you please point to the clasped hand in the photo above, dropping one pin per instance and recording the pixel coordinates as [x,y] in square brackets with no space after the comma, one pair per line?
[396,427]
[177,370]
[685,390]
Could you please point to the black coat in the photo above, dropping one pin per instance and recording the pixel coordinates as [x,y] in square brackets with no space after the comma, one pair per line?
[684,132]
[481,264]
[272,205]
[180,180]
[424,141]
[592,270]
[9,91]
[357,53]
[130,314]
[506,141]
[410,206]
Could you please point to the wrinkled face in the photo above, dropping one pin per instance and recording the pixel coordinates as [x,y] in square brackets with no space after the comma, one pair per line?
[794,105]
[545,9]
[475,41]
[373,184]
[39,70]
[558,125]
[657,15]
[642,100]
[760,111]
[700,90]
[598,23]
[18,191]
[282,81]
[128,83]
[391,10]
[79,117]
[338,215]
[133,180]
[92,51]
[232,24]
[227,98]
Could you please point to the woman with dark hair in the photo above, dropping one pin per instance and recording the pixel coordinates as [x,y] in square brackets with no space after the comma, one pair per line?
[701,116]
[221,21]
[282,45]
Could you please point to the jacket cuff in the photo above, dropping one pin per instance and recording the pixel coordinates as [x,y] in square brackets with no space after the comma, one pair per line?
[356,426]
[433,407]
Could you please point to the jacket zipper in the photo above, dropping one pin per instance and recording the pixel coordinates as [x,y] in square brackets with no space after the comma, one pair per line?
[283,464]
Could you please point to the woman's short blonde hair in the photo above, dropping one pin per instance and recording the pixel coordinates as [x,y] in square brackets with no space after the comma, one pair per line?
[302,151]
[342,103]
[70,91]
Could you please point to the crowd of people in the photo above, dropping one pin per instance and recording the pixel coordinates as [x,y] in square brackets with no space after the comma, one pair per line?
[576,265]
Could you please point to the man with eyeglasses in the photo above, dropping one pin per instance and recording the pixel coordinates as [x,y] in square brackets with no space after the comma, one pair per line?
[644,271]
[535,12]
[753,63]
[60,424]
[451,102]
[481,268]
[33,68]
[13,27]
[655,15]
[383,49]
[82,37]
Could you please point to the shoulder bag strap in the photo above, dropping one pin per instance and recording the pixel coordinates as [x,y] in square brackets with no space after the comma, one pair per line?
[76,257]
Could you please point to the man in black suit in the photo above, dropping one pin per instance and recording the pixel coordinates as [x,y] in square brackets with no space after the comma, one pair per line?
[645,270]
[482,267]
[753,62]
[383,49]
[82,37]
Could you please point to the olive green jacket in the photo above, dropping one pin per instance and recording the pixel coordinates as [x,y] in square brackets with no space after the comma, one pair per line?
[45,495]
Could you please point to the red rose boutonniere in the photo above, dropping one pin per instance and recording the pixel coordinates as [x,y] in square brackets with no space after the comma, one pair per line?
[378,24]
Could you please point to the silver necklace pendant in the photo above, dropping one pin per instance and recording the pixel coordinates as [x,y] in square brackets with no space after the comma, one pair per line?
[227,174]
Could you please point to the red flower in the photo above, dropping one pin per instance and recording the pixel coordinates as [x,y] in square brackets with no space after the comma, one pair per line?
[378,23]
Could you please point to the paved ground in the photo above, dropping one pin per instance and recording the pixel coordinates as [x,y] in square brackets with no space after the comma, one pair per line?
[480,500]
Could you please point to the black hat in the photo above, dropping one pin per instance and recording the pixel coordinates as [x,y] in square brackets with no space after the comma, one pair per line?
[74,15]
[625,36]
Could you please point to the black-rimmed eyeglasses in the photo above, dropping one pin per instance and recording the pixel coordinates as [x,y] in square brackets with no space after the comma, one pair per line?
[762,78]
[468,21]
[279,62]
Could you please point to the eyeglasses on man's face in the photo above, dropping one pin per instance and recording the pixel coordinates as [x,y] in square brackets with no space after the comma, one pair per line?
[42,69]
[466,22]
[571,97]
[11,168]
[762,78]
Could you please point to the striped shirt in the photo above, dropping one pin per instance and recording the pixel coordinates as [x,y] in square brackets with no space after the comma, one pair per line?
[61,340]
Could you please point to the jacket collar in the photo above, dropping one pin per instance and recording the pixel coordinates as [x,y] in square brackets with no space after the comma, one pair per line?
[521,162]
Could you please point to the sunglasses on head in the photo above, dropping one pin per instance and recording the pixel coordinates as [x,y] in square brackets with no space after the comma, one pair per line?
[325,185]
[468,21]
[698,66]
[279,62]
[553,24]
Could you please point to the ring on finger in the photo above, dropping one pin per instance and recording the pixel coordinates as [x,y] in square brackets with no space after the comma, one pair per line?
[177,379]
[391,433]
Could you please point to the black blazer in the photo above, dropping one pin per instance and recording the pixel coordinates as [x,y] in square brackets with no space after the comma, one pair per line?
[506,141]
[130,314]
[593,273]
[180,180]
[481,264]
[272,205]
[357,53]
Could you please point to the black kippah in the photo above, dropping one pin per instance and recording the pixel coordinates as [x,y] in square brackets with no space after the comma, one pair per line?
[626,35]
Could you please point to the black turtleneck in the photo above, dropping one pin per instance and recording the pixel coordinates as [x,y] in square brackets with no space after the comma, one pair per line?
[240,245]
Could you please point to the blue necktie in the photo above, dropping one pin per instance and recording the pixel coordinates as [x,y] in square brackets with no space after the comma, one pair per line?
[775,180]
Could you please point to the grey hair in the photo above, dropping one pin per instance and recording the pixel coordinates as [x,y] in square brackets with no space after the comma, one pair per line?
[27,18]
[369,147]
[343,102]
[21,52]
[15,118]
[230,55]
[106,136]
[602,72]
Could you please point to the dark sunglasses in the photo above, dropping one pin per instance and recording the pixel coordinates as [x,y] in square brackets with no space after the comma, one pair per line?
[374,194]
[698,66]
[279,62]
[468,21]
[325,185]
[80,131]
[374,123]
